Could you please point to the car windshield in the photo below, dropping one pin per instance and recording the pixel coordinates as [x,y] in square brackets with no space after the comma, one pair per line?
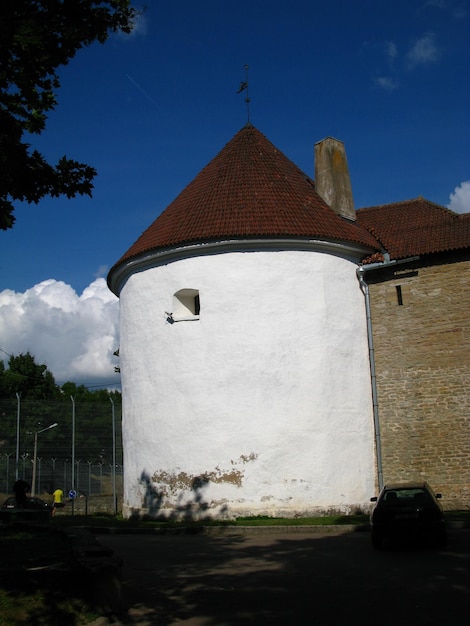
[404,497]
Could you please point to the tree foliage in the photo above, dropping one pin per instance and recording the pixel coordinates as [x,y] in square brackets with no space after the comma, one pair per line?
[33,381]
[36,38]
[27,378]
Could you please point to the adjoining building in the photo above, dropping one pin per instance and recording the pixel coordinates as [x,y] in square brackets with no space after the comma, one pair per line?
[248,334]
[420,309]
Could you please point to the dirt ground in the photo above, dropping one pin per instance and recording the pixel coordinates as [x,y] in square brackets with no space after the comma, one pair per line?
[289,578]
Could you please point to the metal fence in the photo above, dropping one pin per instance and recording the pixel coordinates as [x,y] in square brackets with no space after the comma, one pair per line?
[72,445]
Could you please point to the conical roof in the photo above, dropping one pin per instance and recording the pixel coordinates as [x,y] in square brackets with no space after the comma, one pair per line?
[249,190]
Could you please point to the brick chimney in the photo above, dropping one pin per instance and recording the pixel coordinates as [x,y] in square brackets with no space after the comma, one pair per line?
[332,180]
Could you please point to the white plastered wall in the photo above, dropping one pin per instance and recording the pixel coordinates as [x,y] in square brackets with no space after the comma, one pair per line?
[260,406]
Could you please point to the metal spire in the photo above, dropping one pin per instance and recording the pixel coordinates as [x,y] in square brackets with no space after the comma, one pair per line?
[244,87]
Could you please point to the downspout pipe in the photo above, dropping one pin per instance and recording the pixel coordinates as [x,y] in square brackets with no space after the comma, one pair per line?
[361,272]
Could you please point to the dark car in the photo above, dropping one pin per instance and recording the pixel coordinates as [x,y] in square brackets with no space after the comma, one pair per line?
[407,512]
[31,503]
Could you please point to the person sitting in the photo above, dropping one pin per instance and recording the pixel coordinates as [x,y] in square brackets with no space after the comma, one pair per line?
[20,489]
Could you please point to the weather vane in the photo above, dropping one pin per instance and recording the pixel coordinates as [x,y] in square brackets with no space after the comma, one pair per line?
[244,87]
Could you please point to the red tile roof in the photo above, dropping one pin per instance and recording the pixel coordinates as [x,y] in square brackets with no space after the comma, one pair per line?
[249,190]
[416,227]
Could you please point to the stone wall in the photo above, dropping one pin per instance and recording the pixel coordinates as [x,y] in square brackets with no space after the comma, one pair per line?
[421,327]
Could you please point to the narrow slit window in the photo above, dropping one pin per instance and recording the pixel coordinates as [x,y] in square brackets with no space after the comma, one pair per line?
[399,295]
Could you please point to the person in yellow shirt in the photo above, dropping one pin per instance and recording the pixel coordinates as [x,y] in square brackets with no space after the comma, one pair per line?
[58,502]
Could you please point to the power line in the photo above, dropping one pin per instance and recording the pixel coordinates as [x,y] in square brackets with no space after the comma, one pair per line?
[60,383]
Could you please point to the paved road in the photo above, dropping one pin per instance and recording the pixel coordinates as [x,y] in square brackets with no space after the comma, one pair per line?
[290,579]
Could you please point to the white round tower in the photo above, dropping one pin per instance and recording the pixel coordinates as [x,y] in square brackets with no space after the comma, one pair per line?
[243,348]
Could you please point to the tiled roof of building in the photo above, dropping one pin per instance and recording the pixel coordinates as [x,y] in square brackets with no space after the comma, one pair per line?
[249,190]
[416,227]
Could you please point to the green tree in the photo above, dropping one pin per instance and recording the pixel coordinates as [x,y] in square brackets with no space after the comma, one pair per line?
[36,38]
[28,378]
[3,381]
[83,394]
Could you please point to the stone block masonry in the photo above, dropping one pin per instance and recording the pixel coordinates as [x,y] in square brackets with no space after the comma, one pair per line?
[421,327]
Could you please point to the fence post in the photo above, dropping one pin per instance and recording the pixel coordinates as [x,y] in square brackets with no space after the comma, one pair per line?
[39,475]
[65,474]
[73,450]
[24,456]
[18,411]
[89,477]
[7,478]
[53,485]
[78,475]
[114,458]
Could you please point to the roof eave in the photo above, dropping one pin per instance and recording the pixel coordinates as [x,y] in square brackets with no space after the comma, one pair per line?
[119,274]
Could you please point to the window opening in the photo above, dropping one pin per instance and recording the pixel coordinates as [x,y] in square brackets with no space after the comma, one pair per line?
[399,295]
[186,305]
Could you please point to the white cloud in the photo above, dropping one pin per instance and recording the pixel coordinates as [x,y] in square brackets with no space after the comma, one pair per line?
[391,51]
[423,51]
[139,27]
[387,83]
[140,24]
[440,4]
[101,271]
[460,198]
[457,10]
[460,12]
[75,336]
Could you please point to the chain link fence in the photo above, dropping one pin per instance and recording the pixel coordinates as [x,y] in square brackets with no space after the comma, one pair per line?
[70,445]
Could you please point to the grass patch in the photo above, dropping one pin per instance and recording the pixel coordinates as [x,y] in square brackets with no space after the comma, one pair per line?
[43,608]
[103,520]
[37,580]
[339,520]
[100,520]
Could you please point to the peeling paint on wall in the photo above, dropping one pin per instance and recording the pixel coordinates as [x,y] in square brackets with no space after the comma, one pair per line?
[172,483]
[246,459]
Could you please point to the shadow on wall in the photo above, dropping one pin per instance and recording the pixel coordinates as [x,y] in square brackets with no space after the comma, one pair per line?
[194,509]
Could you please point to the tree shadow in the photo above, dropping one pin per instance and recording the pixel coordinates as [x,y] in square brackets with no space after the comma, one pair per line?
[153,498]
[288,578]
[191,510]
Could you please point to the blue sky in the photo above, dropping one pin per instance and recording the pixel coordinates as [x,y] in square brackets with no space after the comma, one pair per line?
[390,78]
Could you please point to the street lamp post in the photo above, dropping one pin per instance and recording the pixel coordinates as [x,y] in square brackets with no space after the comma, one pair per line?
[33,486]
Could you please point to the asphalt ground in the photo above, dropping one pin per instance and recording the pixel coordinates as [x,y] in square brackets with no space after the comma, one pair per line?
[290,578]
